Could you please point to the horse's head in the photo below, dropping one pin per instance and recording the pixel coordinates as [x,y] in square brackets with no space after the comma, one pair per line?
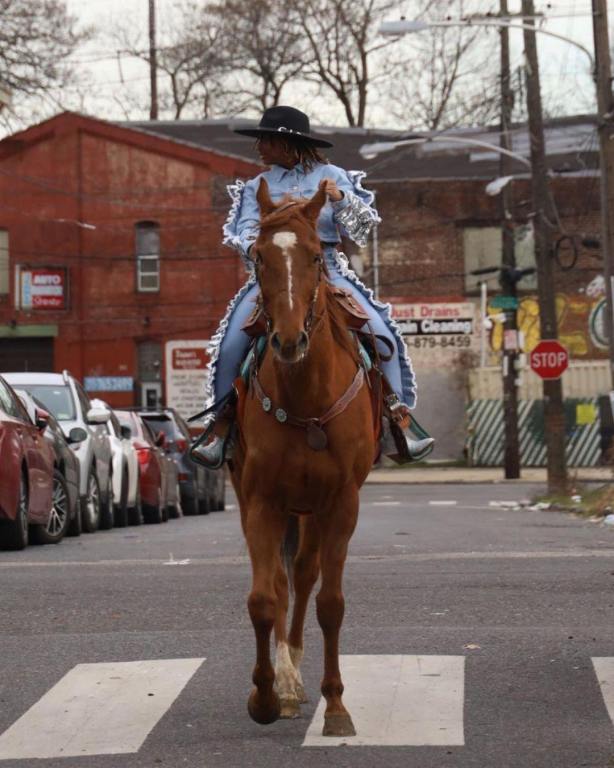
[289,267]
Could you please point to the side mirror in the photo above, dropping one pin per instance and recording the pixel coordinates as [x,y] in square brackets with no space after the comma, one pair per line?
[125,432]
[161,440]
[41,419]
[77,435]
[97,416]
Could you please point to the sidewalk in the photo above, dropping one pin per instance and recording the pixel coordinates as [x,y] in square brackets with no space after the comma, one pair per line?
[437,474]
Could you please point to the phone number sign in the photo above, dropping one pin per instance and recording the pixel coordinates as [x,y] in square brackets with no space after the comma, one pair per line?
[438,328]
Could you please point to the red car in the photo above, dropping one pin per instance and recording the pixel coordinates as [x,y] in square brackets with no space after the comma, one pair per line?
[153,477]
[26,471]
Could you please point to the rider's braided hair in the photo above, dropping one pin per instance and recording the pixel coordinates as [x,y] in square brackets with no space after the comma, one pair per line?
[304,151]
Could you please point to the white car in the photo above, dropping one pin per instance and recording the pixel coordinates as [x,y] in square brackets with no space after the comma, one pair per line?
[85,430]
[126,494]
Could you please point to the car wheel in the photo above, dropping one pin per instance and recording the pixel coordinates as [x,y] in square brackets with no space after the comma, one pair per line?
[135,513]
[106,507]
[220,503]
[59,516]
[189,504]
[204,506]
[120,514]
[74,527]
[15,532]
[91,511]
[154,514]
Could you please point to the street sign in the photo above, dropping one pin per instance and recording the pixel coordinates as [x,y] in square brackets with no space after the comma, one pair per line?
[504,302]
[549,359]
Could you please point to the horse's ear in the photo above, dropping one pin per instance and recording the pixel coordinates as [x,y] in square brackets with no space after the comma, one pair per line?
[263,197]
[314,206]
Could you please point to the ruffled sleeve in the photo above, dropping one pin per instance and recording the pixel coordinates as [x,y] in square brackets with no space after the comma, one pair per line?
[355,213]
[243,222]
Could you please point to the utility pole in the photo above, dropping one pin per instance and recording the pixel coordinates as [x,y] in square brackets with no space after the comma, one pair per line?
[605,123]
[554,415]
[153,65]
[508,283]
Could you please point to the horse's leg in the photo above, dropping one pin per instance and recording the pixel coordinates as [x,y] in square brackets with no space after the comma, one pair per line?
[264,531]
[306,571]
[336,531]
[285,675]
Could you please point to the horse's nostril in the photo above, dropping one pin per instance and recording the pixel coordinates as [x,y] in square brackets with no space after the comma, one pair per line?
[275,342]
[303,341]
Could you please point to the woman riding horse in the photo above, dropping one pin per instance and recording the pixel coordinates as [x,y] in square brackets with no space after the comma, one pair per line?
[296,169]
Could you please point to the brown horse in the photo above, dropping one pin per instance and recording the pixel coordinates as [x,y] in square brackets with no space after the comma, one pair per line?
[287,466]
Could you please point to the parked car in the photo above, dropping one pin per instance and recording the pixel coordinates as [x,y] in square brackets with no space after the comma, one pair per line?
[65,518]
[126,498]
[157,473]
[26,472]
[66,399]
[202,490]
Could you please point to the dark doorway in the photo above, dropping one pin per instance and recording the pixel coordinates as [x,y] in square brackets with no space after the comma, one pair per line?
[30,354]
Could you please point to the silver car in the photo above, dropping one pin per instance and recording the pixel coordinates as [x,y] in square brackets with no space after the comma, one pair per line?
[85,430]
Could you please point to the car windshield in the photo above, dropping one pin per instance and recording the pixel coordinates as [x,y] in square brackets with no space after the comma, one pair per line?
[55,398]
[162,424]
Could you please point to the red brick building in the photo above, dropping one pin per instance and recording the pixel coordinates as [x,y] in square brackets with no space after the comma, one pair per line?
[110,245]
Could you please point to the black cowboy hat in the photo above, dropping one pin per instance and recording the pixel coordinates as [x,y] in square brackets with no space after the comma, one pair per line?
[285,121]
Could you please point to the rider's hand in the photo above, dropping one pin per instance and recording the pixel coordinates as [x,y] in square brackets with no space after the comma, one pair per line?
[332,190]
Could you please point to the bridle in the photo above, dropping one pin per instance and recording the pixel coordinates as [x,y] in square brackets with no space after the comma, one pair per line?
[310,323]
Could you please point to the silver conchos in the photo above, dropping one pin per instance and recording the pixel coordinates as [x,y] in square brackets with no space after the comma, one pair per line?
[281,415]
[266,404]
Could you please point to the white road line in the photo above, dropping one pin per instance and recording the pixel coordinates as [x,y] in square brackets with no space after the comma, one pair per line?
[399,701]
[98,709]
[604,669]
[386,504]
[442,503]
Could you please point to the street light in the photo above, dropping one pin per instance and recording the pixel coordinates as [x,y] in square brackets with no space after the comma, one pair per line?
[369,151]
[404,26]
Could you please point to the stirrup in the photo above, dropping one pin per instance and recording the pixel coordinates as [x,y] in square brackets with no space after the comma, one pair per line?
[211,453]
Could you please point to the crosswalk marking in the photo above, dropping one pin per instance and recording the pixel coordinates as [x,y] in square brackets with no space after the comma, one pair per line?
[399,701]
[604,669]
[98,709]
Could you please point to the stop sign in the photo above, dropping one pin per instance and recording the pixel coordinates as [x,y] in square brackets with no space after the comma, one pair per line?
[549,359]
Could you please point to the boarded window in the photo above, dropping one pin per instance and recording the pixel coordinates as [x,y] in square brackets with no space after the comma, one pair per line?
[148,256]
[482,248]
[4,262]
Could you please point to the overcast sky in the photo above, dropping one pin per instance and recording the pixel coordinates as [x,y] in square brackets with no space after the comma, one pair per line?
[564,69]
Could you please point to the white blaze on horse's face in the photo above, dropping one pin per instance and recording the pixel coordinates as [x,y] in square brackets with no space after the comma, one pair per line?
[286,241]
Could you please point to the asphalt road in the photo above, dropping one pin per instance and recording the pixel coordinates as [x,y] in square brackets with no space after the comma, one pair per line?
[519,603]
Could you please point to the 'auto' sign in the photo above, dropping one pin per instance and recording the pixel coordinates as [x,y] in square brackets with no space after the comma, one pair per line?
[549,359]
[43,288]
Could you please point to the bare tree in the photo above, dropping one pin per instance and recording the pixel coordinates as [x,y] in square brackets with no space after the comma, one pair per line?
[444,82]
[343,40]
[265,47]
[36,40]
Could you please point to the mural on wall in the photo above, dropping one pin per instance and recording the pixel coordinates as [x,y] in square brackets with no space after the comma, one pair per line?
[580,322]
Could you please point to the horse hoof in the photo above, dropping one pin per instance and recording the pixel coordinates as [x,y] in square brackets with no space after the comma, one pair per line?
[338,724]
[301,695]
[290,709]
[263,712]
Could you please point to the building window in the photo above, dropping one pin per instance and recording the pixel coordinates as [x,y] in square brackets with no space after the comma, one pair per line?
[147,257]
[483,246]
[4,262]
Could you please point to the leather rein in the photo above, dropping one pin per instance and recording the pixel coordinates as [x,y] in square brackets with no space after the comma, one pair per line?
[316,436]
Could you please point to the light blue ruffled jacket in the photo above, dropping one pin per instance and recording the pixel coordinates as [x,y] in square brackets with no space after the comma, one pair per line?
[353,216]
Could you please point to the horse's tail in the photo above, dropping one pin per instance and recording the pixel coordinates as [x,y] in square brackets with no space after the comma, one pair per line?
[289,548]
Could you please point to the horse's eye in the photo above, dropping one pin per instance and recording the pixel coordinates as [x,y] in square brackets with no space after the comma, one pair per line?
[317,258]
